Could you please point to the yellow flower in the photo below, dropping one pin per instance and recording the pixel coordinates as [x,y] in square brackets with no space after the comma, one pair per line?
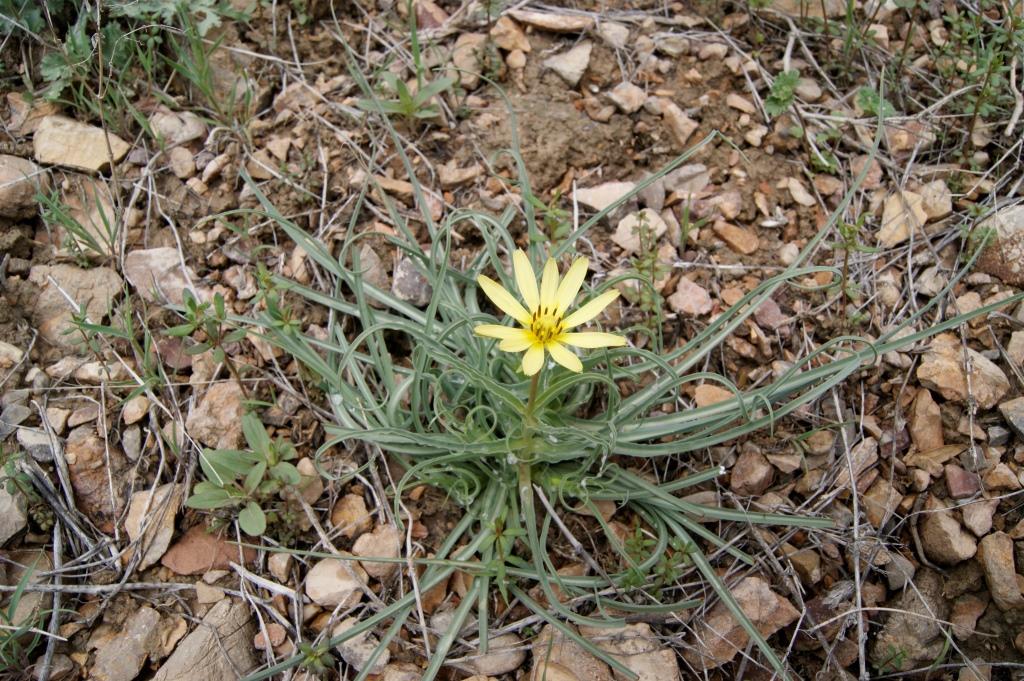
[545,324]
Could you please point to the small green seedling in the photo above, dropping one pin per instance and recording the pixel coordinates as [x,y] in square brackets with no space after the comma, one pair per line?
[412,106]
[248,480]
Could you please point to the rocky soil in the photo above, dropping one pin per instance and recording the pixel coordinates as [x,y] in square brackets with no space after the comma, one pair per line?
[919,457]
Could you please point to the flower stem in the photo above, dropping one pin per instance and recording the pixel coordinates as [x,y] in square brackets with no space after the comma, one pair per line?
[525,460]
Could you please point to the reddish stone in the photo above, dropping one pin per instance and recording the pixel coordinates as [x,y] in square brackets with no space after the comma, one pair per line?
[202,550]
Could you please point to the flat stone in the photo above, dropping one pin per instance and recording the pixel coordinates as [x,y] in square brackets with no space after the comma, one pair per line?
[505,653]
[899,571]
[603,195]
[995,553]
[158,275]
[217,421]
[638,648]
[552,21]
[737,238]
[709,393]
[1003,257]
[357,651]
[936,200]
[1013,413]
[66,142]
[964,617]
[275,636]
[332,582]
[679,125]
[943,538]
[410,285]
[571,64]
[12,416]
[384,542]
[466,58]
[809,8]
[880,502]
[554,653]
[174,128]
[902,215]
[925,422]
[37,443]
[960,483]
[201,550]
[95,288]
[914,626]
[752,474]
[121,658]
[182,162]
[740,103]
[690,299]
[613,33]
[221,646]
[350,516]
[719,637]
[20,180]
[92,464]
[863,455]
[13,515]
[1000,478]
[627,231]
[942,369]
[150,521]
[628,98]
[978,516]
[509,36]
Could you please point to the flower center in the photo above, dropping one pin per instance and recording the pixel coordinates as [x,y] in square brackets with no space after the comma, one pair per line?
[545,324]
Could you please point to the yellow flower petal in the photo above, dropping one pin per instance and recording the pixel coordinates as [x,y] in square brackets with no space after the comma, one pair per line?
[517,343]
[549,284]
[571,284]
[593,339]
[497,331]
[503,300]
[590,310]
[526,279]
[533,360]
[565,357]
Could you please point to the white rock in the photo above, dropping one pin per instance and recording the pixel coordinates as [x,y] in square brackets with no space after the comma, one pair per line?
[358,650]
[678,123]
[220,649]
[942,369]
[740,103]
[157,274]
[384,542]
[637,647]
[800,194]
[466,58]
[150,521]
[280,565]
[20,179]
[936,200]
[66,142]
[808,90]
[603,195]
[615,34]
[551,21]
[571,64]
[902,215]
[176,128]
[333,582]
[626,233]
[13,517]
[217,421]
[95,288]
[182,162]
[627,97]
[690,299]
[505,653]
